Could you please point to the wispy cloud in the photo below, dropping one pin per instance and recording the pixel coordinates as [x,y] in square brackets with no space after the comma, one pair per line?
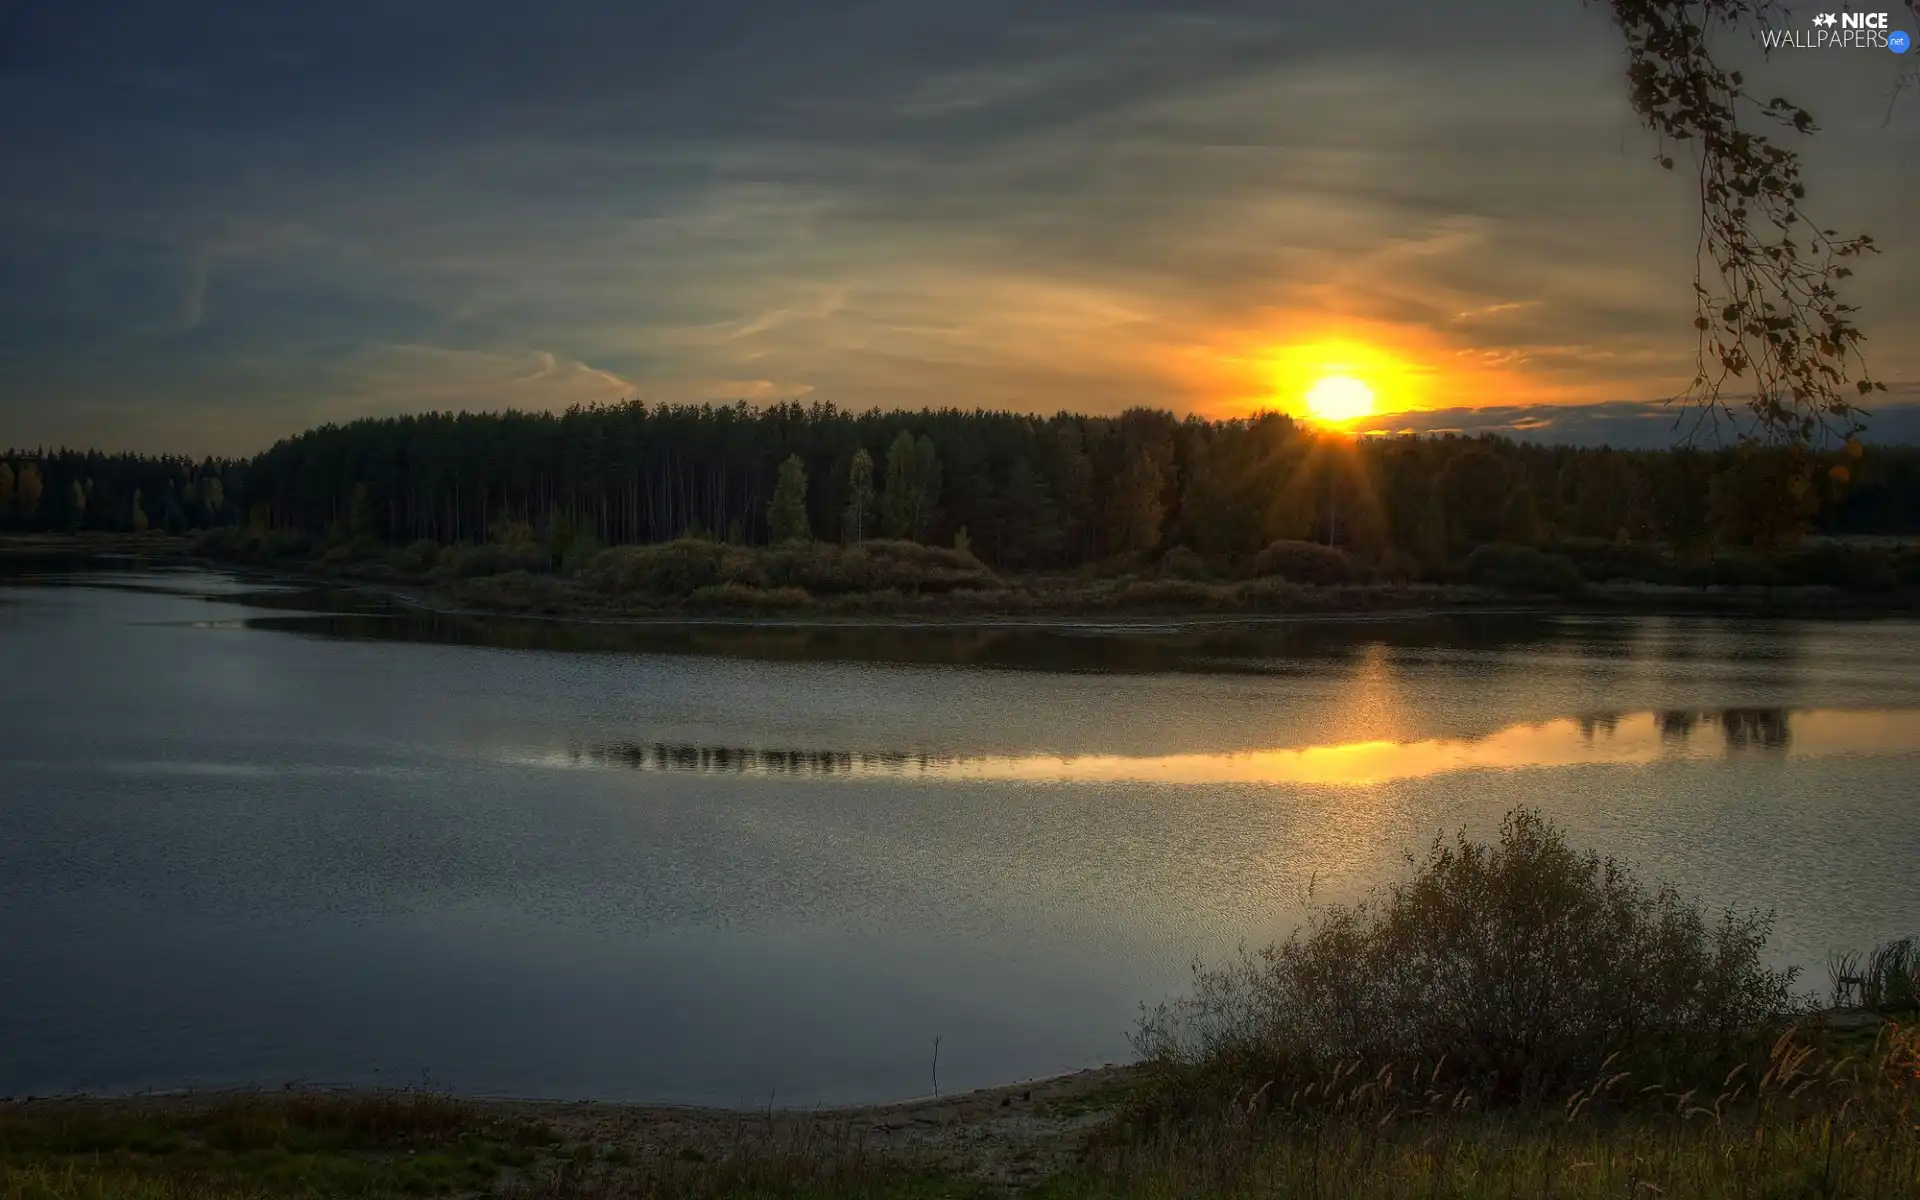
[379,379]
[1089,205]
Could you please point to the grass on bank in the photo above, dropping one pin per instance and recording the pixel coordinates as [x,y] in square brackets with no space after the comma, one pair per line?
[408,1144]
[405,1145]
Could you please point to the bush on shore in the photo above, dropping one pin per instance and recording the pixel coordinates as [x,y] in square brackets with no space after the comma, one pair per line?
[1307,562]
[1522,569]
[1524,966]
[680,568]
[248,544]
[747,597]
[496,558]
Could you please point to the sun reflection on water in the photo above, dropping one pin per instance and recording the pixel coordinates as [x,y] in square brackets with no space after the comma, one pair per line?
[1609,739]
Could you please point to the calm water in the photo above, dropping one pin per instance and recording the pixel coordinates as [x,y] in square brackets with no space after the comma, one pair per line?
[258,836]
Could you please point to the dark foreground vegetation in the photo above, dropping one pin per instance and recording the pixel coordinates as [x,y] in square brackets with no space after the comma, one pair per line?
[789,506]
[1516,1019]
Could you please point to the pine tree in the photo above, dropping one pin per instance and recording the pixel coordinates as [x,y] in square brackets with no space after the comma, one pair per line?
[6,489]
[787,511]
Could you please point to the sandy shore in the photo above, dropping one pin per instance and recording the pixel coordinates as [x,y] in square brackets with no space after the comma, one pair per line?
[1012,1135]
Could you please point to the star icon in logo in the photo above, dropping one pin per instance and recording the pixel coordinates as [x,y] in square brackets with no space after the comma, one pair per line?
[1826,19]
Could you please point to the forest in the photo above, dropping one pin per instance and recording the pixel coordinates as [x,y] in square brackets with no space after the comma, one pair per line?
[1019,492]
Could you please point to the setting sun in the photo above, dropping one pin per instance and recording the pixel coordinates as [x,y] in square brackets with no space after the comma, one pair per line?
[1338,398]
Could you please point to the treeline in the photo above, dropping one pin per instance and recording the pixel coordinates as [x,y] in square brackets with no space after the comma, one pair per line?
[1019,491]
[72,490]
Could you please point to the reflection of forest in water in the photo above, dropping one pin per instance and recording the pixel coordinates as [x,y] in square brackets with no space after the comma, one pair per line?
[1740,730]
[1743,728]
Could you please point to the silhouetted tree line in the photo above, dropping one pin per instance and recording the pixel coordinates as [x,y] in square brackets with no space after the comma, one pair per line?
[70,490]
[1020,491]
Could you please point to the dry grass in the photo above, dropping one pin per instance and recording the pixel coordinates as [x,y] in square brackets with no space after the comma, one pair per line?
[411,1144]
[1809,1117]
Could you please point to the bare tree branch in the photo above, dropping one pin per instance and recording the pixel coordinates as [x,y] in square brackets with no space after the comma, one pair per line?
[1774,335]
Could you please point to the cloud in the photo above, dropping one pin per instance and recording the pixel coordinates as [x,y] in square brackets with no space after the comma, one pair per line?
[1624,424]
[382,379]
[1089,204]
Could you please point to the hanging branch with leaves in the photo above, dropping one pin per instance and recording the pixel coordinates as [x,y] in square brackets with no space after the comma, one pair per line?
[1774,334]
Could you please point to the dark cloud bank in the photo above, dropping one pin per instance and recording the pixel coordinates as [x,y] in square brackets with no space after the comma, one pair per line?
[224,221]
[1623,424]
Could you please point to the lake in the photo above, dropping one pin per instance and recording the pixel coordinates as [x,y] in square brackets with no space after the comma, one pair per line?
[252,834]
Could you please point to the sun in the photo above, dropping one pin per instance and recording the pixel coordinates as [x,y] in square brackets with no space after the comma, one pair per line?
[1336,399]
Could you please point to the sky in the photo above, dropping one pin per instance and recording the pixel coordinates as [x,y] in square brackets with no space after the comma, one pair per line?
[223,222]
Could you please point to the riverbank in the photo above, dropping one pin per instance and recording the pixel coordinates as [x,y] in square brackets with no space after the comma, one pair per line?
[993,1141]
[899,581]
[1096,1133]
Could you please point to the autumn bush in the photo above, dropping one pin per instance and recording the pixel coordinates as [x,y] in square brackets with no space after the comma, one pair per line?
[1605,560]
[1522,569]
[249,544]
[746,597]
[1525,965]
[680,568]
[495,558]
[1181,562]
[1180,593]
[1306,562]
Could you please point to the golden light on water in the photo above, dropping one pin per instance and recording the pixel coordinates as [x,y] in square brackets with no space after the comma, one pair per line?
[1633,739]
[1337,399]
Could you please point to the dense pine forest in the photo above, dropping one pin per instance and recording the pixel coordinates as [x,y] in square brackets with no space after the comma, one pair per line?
[1019,492]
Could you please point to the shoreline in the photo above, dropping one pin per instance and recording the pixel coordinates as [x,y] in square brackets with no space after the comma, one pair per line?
[1045,1089]
[1075,606]
[1007,1138]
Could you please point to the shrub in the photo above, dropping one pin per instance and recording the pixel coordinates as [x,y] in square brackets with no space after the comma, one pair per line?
[675,568]
[746,596]
[1731,570]
[579,552]
[213,543]
[821,568]
[1602,561]
[1523,965]
[1830,564]
[492,558]
[1305,562]
[253,544]
[1522,569]
[1186,593]
[1905,565]
[1270,595]
[1183,563]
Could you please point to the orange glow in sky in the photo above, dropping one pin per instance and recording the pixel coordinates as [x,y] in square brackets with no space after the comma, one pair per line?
[1289,365]
[1336,399]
